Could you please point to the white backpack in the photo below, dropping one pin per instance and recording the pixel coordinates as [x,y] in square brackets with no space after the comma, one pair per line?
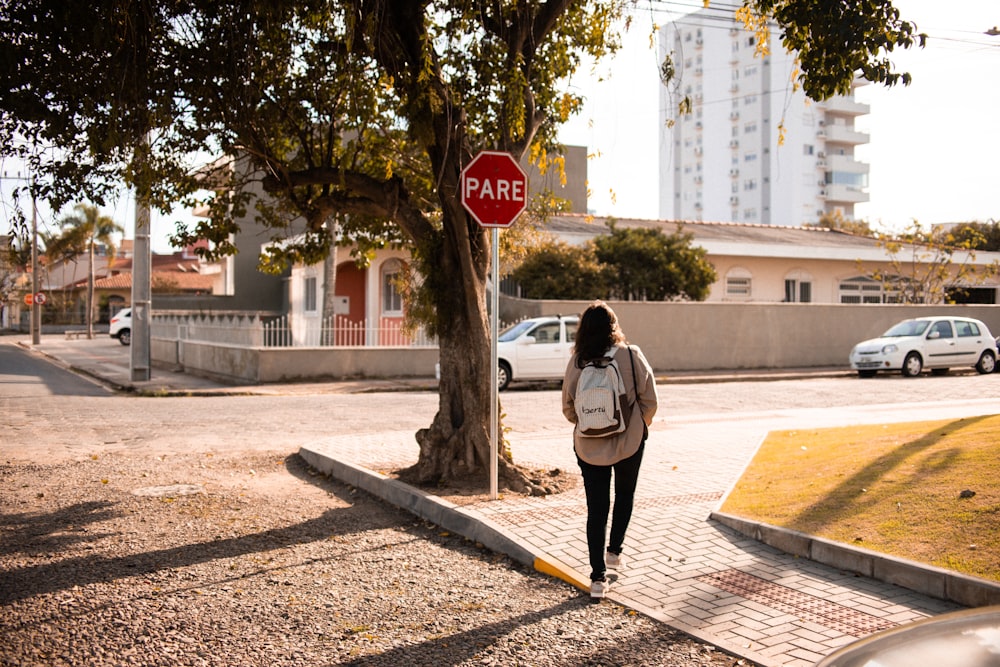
[601,402]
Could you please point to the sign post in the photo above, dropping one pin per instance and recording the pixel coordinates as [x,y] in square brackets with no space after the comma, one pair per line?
[494,190]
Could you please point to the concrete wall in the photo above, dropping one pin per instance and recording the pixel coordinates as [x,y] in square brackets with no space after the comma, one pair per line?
[673,336]
[255,365]
[732,336]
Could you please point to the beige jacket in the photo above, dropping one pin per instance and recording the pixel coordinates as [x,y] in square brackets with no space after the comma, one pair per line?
[611,450]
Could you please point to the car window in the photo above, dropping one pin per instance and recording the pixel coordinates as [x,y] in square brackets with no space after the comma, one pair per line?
[512,332]
[907,328]
[965,329]
[942,328]
[546,333]
[571,331]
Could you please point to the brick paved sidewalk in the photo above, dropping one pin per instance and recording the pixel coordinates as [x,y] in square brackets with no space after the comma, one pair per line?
[684,569]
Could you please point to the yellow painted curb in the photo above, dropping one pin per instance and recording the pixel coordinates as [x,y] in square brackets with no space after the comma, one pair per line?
[561,571]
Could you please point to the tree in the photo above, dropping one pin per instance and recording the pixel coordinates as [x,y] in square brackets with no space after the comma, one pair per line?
[979,235]
[359,108]
[558,270]
[837,222]
[82,231]
[927,266]
[8,274]
[648,265]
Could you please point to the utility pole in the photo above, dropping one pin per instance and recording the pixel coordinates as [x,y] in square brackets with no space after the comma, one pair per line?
[36,307]
[142,268]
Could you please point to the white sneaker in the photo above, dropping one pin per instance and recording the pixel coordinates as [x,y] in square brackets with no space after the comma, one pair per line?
[599,590]
[614,561]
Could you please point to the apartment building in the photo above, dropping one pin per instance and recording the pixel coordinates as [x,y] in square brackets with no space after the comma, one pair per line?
[753,148]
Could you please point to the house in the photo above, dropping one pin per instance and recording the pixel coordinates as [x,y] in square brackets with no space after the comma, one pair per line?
[179,273]
[771,264]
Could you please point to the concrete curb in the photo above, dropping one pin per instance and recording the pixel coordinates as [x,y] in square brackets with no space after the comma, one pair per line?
[926,579]
[440,512]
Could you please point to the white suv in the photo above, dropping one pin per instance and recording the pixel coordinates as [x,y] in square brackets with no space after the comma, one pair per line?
[121,326]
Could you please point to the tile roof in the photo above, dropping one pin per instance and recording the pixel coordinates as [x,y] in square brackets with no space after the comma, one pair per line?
[748,240]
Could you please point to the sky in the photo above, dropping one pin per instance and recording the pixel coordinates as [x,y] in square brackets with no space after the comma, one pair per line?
[934,150]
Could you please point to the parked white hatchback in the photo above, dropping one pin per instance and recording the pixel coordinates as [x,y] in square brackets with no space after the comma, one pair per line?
[536,349]
[935,343]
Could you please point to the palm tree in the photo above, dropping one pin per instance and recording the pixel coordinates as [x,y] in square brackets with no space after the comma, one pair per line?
[81,232]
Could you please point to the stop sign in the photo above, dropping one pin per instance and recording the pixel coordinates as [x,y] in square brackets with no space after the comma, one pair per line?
[494,189]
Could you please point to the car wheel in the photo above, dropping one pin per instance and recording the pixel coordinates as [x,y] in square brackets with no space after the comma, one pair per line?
[503,375]
[987,363]
[125,337]
[912,365]
[866,374]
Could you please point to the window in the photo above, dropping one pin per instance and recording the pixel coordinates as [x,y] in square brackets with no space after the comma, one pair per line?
[942,329]
[392,300]
[798,287]
[798,292]
[547,333]
[310,295]
[862,290]
[738,283]
[966,329]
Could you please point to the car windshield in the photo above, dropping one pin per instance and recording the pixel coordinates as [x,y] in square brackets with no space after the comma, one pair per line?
[908,328]
[515,330]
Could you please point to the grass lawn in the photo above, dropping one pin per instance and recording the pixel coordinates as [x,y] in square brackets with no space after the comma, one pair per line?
[899,489]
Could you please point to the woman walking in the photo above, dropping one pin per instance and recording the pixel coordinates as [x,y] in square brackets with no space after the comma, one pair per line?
[619,454]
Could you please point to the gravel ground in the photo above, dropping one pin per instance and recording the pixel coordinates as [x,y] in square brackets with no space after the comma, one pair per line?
[250,559]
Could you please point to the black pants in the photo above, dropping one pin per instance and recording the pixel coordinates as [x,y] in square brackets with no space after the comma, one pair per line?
[597,484]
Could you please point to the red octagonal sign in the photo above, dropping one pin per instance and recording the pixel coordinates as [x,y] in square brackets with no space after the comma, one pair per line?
[494,189]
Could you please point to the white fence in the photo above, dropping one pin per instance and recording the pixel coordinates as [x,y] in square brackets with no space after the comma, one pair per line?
[265,330]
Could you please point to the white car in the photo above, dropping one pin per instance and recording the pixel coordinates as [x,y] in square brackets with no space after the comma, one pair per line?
[121,326]
[935,343]
[535,349]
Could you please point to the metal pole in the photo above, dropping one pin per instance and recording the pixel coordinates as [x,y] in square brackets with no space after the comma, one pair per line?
[494,390]
[141,282]
[36,308]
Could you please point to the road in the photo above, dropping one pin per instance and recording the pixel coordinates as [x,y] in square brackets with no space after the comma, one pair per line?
[50,412]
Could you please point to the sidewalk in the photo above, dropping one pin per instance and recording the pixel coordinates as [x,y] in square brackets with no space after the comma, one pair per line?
[685,569]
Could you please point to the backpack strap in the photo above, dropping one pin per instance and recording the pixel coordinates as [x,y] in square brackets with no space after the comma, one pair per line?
[635,384]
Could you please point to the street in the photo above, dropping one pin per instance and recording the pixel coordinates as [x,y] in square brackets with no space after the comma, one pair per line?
[49,412]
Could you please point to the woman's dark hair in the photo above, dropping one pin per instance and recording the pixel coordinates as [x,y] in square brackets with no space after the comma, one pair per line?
[597,333]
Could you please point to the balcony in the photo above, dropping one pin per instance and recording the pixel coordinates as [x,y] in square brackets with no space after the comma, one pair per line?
[846,163]
[846,106]
[841,134]
[845,193]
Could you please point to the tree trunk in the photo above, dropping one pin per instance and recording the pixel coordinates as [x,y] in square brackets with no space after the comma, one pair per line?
[457,443]
[327,321]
